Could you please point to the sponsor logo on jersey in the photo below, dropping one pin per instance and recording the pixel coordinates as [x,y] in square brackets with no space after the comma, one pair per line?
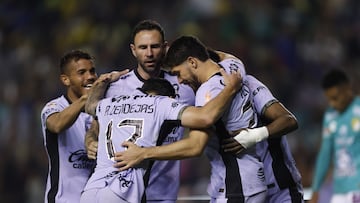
[257,90]
[79,160]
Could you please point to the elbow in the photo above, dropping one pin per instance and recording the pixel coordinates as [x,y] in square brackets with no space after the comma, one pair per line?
[293,123]
[196,152]
[56,129]
[207,122]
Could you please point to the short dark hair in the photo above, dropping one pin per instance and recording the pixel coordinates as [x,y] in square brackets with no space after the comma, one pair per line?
[334,78]
[73,55]
[213,55]
[147,25]
[159,86]
[184,47]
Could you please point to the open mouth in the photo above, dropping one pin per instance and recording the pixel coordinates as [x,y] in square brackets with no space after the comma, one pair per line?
[88,86]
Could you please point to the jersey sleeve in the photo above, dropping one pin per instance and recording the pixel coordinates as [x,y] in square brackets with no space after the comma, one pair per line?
[233,64]
[260,94]
[208,91]
[171,109]
[49,109]
[324,156]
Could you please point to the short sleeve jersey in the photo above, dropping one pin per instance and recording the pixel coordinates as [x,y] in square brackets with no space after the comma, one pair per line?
[279,164]
[231,176]
[341,142]
[163,173]
[69,167]
[138,118]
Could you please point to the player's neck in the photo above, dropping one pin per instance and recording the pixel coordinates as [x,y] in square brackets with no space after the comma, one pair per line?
[209,69]
[147,74]
[72,96]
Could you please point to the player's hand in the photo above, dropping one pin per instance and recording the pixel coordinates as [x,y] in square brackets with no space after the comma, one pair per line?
[115,75]
[107,78]
[128,158]
[91,149]
[230,145]
[232,80]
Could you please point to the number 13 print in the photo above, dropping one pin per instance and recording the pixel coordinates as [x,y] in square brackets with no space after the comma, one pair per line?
[136,124]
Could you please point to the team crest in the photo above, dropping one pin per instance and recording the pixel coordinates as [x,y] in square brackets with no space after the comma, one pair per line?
[174,104]
[51,104]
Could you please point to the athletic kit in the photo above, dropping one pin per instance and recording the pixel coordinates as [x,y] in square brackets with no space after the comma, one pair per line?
[162,173]
[69,167]
[282,177]
[341,134]
[140,118]
[233,178]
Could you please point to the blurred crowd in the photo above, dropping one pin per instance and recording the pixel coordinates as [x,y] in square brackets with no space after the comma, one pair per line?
[288,45]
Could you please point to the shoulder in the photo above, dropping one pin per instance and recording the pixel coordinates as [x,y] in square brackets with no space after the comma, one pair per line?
[54,106]
[128,76]
[233,64]
[57,102]
[169,77]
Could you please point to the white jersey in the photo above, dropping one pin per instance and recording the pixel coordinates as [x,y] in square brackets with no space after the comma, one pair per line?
[280,168]
[232,177]
[163,173]
[69,167]
[138,118]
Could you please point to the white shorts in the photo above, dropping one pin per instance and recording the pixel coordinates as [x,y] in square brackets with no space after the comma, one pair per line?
[257,198]
[350,197]
[101,195]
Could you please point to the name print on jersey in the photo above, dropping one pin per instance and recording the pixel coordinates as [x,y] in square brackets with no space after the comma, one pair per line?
[114,109]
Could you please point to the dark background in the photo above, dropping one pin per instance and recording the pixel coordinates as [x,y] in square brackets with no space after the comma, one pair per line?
[288,45]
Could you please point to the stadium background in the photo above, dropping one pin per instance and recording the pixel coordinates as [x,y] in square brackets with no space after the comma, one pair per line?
[286,44]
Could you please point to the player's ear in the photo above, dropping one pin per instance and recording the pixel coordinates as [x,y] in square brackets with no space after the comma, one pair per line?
[166,46]
[65,79]
[192,62]
[132,47]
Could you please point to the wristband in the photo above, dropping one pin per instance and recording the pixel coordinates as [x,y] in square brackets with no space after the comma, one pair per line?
[249,137]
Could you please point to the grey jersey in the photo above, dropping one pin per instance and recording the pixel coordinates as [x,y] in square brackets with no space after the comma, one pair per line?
[138,118]
[163,173]
[280,167]
[69,167]
[232,176]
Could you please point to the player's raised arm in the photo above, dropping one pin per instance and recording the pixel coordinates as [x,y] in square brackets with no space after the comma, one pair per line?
[98,89]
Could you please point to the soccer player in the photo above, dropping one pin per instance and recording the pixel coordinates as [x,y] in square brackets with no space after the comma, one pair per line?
[340,140]
[281,174]
[237,178]
[146,120]
[64,124]
[148,47]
